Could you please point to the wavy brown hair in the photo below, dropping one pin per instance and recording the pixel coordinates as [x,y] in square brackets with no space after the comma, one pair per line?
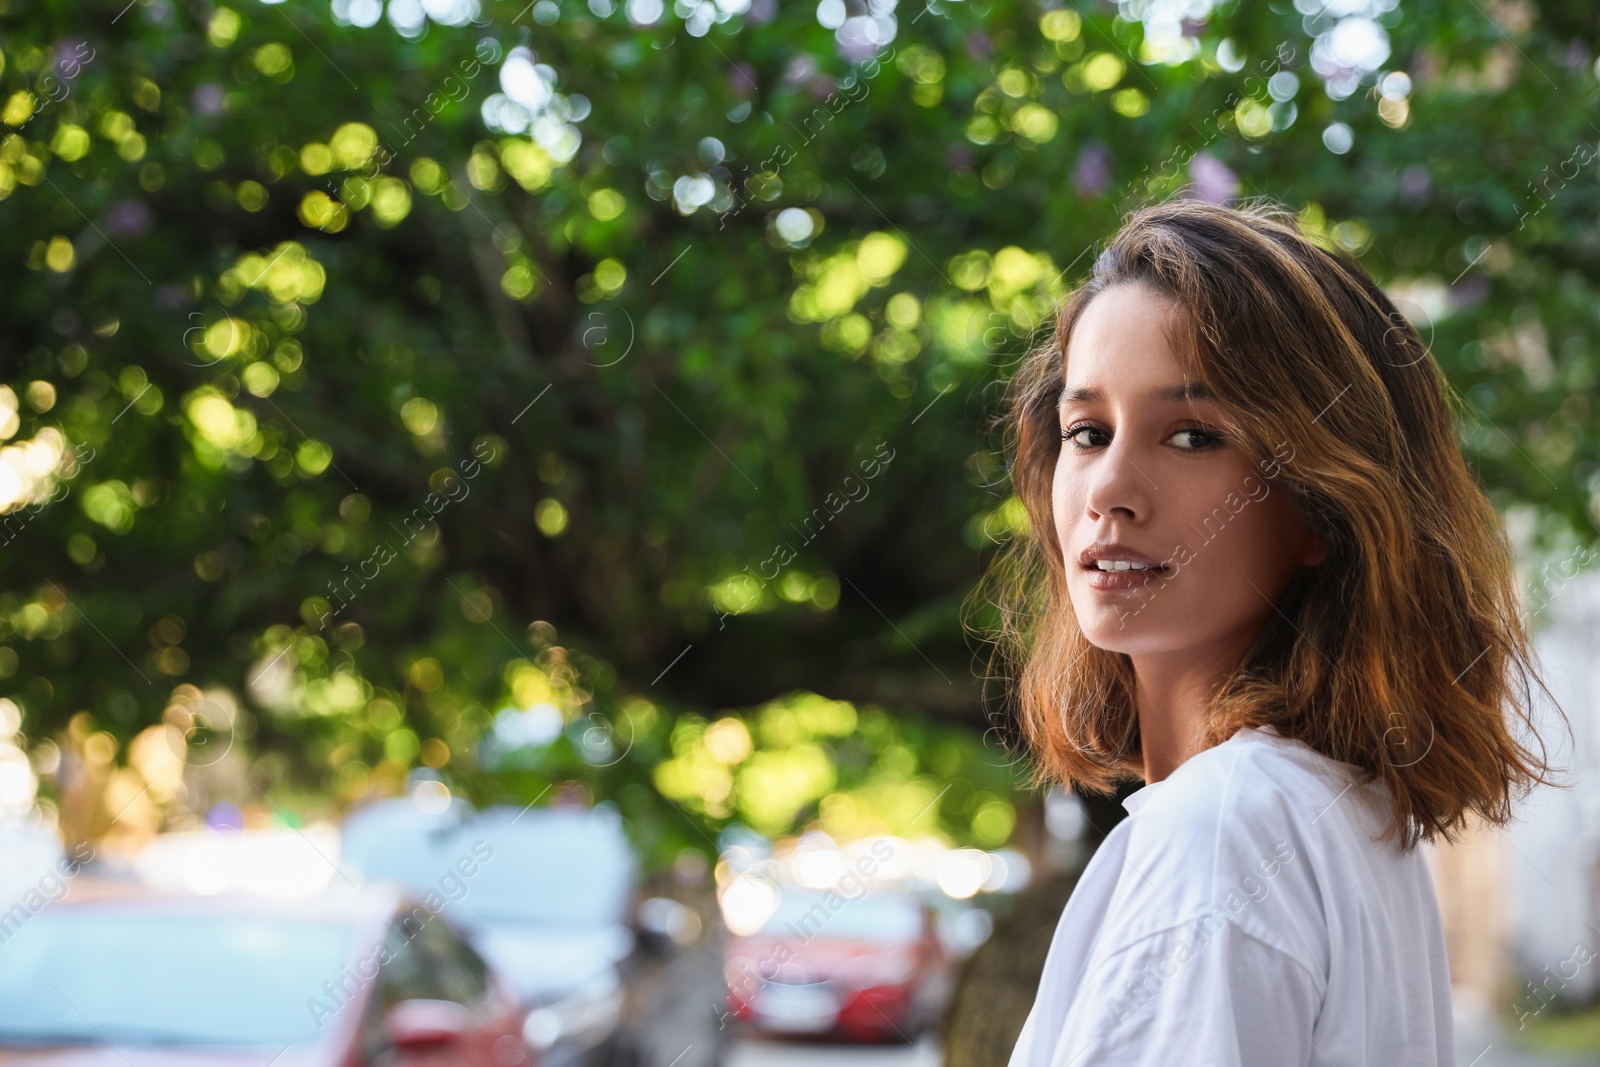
[1405,650]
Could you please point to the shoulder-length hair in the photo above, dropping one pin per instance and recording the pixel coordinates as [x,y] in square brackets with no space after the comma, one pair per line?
[1403,651]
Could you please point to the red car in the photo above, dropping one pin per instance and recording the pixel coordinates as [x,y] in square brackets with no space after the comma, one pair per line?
[871,968]
[356,979]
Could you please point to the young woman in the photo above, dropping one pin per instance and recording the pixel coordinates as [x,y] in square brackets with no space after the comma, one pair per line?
[1260,576]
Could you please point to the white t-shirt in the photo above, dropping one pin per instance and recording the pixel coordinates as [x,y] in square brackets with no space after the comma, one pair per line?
[1243,916]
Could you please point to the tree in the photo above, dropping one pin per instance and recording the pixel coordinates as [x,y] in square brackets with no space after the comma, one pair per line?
[370,375]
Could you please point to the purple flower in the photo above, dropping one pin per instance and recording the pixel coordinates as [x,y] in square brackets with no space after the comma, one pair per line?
[1414,182]
[822,86]
[1092,174]
[1211,180]
[71,56]
[742,78]
[225,816]
[208,99]
[1468,291]
[856,49]
[128,218]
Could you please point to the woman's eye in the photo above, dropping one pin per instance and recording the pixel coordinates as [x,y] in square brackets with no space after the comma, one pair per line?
[1071,434]
[1207,439]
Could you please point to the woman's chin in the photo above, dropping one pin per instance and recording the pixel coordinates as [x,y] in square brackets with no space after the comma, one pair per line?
[1118,629]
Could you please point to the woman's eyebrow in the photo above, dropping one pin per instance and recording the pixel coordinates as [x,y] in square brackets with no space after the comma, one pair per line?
[1186,391]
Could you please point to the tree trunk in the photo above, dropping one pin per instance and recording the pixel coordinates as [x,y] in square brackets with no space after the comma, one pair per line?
[997,984]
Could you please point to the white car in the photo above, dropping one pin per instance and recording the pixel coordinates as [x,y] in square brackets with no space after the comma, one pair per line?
[548,902]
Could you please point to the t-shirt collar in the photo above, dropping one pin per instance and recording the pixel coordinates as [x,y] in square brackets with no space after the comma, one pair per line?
[1142,796]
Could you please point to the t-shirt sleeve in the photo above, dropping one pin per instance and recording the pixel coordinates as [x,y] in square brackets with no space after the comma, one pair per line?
[1205,993]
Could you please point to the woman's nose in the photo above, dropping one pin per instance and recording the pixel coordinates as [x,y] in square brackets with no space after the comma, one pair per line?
[1118,488]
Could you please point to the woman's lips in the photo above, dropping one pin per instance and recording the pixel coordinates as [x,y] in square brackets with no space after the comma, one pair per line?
[1119,581]
[1110,565]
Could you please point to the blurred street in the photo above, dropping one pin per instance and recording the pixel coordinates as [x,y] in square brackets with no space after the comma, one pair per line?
[763,1053]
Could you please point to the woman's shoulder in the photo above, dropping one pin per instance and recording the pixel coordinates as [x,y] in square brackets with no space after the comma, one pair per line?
[1233,835]
[1257,781]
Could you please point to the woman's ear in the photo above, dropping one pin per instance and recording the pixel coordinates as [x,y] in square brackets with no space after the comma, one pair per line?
[1316,549]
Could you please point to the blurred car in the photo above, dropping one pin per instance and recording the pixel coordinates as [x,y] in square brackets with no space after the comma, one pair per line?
[868,968]
[553,909]
[34,862]
[368,979]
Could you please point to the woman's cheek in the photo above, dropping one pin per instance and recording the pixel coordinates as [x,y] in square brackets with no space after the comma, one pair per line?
[1060,512]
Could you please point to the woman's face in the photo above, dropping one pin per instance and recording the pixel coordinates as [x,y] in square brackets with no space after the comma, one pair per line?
[1157,472]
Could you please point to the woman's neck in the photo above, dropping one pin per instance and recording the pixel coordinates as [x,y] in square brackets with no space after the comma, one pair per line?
[1171,694]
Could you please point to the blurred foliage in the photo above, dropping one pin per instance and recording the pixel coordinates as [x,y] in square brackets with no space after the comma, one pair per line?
[351,350]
